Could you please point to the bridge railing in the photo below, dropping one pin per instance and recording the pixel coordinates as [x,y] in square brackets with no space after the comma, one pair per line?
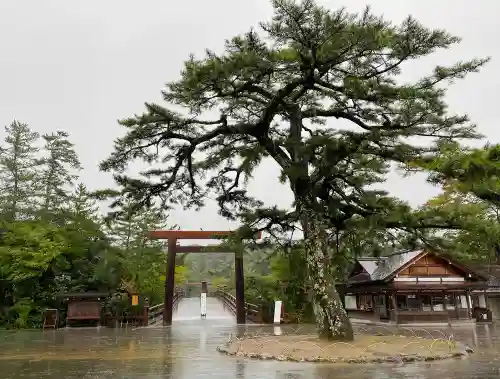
[154,312]
[254,313]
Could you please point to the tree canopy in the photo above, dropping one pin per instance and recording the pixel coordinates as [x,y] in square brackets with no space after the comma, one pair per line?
[310,65]
[320,92]
[54,237]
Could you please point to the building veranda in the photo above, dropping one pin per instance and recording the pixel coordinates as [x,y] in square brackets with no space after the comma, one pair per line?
[417,286]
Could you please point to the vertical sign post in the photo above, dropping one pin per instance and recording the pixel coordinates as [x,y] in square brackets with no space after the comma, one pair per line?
[277,311]
[203,299]
[203,305]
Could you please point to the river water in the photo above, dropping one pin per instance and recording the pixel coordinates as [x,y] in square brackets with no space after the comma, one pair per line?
[187,350]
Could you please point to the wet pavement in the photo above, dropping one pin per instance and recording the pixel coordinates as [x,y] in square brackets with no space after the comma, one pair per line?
[187,350]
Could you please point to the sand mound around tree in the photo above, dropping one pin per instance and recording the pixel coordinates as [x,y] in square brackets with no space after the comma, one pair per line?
[364,349]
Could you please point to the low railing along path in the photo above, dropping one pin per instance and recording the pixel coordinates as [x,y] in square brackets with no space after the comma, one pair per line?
[155,312]
[253,312]
[221,305]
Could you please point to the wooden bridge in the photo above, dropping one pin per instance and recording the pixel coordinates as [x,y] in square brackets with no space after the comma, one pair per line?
[173,236]
[151,315]
[253,313]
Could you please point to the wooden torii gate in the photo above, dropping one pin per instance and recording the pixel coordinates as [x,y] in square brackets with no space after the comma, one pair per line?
[172,236]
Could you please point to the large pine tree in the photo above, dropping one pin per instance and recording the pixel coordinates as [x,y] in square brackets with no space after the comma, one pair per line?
[17,171]
[59,168]
[318,92]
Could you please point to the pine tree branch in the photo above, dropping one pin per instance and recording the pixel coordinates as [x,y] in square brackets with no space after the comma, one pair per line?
[267,89]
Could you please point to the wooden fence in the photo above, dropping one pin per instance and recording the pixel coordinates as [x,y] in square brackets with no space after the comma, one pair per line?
[145,316]
[156,311]
[254,313]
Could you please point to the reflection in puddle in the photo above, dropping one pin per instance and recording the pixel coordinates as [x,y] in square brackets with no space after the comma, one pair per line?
[187,351]
[203,340]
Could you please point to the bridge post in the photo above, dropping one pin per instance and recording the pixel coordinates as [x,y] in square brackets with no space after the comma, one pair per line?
[169,282]
[240,287]
[145,313]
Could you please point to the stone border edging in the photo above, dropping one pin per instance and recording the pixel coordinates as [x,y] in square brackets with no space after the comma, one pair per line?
[401,358]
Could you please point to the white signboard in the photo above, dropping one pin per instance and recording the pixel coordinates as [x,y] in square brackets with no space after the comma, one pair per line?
[277,311]
[203,305]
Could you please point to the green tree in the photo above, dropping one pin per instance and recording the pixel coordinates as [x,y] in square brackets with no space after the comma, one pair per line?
[17,170]
[28,253]
[143,260]
[471,181]
[290,281]
[277,97]
[60,165]
[83,205]
[91,263]
[65,250]
[129,228]
[478,238]
[473,172]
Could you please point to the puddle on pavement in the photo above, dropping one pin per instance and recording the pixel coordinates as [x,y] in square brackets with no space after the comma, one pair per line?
[187,350]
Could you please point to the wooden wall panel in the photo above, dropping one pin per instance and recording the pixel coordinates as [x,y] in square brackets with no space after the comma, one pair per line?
[433,260]
[405,272]
[437,270]
[418,270]
[431,265]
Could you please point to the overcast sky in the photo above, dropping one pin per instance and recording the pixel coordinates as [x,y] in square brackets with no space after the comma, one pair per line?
[78,66]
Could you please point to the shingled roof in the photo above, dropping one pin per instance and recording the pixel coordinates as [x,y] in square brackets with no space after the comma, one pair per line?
[383,268]
[379,269]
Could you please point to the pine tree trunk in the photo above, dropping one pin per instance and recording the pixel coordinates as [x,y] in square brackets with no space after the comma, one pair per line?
[331,318]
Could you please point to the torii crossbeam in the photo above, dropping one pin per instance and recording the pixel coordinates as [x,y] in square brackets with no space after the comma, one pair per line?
[172,236]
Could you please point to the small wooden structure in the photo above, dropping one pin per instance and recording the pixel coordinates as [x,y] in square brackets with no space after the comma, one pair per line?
[173,248]
[51,319]
[84,307]
[416,286]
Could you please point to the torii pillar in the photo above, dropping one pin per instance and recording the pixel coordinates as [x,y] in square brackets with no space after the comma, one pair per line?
[172,236]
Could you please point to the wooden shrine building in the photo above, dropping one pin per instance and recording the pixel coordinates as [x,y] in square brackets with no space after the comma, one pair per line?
[414,287]
[84,308]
